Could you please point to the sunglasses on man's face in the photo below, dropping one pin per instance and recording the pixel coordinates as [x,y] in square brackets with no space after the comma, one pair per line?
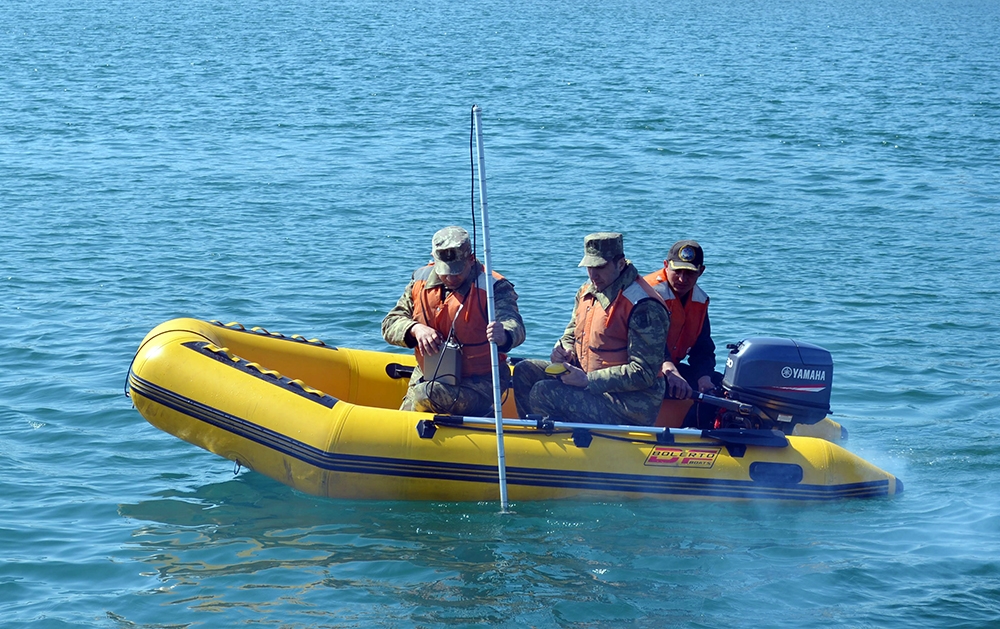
[449,255]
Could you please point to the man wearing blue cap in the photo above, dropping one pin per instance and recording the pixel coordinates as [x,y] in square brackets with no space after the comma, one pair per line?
[690,335]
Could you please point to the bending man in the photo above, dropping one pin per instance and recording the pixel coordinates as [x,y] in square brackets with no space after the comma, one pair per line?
[446,301]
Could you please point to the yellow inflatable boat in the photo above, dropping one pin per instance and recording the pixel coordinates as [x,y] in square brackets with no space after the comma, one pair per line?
[324,420]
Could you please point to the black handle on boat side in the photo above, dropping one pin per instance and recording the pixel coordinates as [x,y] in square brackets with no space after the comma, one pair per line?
[397,371]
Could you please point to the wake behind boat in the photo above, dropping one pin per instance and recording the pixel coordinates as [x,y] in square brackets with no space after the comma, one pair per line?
[323,420]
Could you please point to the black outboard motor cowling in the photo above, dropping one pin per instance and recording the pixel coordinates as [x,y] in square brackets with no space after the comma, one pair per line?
[788,382]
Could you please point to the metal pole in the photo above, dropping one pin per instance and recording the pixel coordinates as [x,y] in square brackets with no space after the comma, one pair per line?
[490,308]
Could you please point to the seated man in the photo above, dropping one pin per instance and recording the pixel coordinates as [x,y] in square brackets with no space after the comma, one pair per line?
[446,301]
[690,332]
[612,348]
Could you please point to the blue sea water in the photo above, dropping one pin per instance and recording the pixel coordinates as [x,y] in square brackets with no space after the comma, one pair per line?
[284,164]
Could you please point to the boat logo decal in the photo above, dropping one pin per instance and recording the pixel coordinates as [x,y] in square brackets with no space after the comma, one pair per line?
[803,374]
[677,456]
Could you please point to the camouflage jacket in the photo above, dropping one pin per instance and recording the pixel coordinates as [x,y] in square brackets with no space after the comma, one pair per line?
[397,324]
[647,337]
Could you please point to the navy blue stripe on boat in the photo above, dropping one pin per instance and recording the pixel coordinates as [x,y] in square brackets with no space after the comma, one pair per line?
[536,477]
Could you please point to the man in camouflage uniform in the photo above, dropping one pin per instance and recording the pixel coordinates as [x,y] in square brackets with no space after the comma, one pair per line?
[447,300]
[612,348]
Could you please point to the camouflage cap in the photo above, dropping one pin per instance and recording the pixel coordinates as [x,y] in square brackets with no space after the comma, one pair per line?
[686,255]
[601,248]
[451,248]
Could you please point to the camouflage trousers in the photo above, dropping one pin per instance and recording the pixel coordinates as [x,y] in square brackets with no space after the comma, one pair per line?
[472,397]
[534,392]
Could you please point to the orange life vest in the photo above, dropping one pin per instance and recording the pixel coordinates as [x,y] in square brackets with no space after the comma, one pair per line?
[468,313]
[601,337]
[686,320]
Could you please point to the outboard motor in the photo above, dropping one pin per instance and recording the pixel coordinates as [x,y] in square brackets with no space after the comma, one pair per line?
[786,382]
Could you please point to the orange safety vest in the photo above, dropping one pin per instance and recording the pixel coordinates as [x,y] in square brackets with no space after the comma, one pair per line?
[470,324]
[601,337]
[686,320]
